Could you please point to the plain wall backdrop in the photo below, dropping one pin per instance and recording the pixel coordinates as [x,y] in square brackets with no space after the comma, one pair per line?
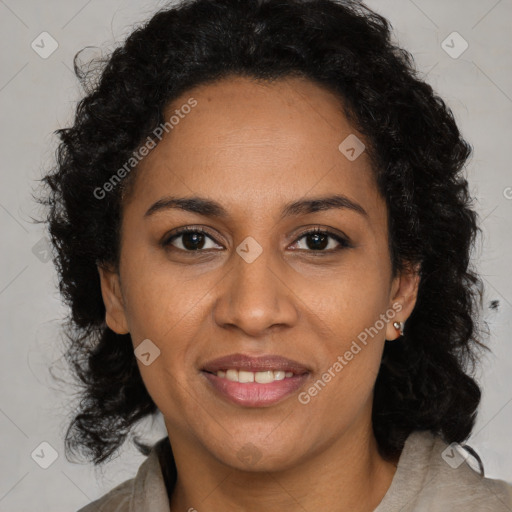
[38,94]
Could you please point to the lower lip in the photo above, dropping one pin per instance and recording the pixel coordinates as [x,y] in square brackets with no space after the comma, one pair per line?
[253,394]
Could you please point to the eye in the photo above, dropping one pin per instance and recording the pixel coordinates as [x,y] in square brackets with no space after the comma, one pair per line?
[192,239]
[318,241]
[196,240]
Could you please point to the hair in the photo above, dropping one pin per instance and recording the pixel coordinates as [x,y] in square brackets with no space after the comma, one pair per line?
[417,154]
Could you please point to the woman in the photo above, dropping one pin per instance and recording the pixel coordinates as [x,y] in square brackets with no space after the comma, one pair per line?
[263,232]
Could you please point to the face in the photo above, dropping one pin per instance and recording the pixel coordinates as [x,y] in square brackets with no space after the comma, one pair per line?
[285,273]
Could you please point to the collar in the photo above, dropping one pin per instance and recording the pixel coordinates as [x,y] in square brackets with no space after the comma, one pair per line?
[156,477]
[154,481]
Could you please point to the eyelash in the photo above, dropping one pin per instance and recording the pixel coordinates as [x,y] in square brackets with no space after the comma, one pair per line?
[344,242]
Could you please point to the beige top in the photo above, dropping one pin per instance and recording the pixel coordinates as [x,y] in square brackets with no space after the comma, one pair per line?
[431,477]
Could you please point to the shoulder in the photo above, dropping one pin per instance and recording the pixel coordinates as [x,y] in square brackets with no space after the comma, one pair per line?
[456,480]
[446,477]
[117,500]
[146,491]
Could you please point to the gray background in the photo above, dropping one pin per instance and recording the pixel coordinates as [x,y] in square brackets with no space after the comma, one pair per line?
[37,96]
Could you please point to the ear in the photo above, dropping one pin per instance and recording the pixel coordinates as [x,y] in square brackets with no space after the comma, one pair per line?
[404,292]
[112,298]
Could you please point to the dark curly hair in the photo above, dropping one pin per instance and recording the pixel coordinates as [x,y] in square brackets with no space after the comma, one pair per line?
[417,154]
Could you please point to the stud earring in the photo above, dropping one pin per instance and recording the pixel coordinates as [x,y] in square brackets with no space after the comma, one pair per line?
[399,326]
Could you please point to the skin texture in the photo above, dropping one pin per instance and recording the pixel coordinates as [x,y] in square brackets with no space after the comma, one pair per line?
[253,148]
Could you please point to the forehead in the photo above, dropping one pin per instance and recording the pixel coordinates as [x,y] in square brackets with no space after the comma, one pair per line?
[245,140]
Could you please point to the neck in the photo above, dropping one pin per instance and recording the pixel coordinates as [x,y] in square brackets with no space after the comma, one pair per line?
[349,475]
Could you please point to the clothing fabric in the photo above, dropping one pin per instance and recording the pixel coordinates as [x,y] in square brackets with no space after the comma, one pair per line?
[430,477]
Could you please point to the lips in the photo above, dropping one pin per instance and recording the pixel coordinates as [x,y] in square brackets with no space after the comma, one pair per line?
[245,380]
[255,364]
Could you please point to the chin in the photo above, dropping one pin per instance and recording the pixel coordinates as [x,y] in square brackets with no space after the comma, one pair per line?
[249,454]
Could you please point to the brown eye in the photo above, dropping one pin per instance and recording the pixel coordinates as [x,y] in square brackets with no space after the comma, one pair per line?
[318,240]
[189,240]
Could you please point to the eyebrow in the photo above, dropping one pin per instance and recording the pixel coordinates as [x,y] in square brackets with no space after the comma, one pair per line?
[209,208]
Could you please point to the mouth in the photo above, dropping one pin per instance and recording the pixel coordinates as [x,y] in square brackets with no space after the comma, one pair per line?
[254,381]
[262,377]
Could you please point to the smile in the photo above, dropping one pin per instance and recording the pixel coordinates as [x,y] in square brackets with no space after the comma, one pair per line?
[245,376]
[252,393]
[254,381]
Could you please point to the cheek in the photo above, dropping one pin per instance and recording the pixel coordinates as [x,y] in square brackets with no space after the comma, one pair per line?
[166,311]
[349,299]
[168,308]
[351,353]
[349,308]
[159,301]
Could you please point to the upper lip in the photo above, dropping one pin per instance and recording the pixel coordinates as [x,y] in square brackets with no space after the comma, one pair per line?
[261,363]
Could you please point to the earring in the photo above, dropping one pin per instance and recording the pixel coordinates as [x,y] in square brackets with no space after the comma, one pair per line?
[399,326]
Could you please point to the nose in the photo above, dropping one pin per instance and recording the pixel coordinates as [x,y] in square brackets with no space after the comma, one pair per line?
[255,297]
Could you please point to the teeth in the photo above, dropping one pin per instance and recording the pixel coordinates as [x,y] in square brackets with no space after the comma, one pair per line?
[244,376]
[264,377]
[232,375]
